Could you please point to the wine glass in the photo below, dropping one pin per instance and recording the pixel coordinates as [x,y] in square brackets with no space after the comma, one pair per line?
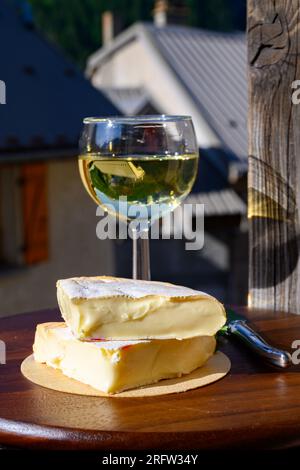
[148,162]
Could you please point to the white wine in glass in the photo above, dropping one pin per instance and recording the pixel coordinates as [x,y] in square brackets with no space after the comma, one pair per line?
[147,160]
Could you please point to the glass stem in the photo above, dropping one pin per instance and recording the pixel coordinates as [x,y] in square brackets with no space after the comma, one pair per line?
[141,254]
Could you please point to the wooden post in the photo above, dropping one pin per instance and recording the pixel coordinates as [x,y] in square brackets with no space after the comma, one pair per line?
[274,154]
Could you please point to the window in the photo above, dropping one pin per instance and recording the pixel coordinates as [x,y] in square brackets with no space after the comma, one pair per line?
[23,214]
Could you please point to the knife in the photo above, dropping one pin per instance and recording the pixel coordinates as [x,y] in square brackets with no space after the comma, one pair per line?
[238,326]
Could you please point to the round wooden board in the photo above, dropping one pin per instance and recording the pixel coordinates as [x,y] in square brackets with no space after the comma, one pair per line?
[253,406]
[215,369]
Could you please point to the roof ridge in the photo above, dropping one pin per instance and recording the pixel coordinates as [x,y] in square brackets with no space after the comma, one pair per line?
[192,29]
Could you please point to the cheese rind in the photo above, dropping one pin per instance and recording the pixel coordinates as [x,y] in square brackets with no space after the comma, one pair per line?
[114,366]
[115,308]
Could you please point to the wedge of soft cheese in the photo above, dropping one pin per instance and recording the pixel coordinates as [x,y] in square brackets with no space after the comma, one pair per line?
[115,308]
[113,366]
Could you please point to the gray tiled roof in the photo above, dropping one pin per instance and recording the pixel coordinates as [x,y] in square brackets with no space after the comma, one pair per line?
[46,96]
[223,202]
[212,67]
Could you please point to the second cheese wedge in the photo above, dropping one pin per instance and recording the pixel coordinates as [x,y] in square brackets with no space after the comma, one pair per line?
[113,366]
[115,308]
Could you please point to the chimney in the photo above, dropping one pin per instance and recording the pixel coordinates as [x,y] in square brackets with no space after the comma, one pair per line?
[160,13]
[167,12]
[111,27]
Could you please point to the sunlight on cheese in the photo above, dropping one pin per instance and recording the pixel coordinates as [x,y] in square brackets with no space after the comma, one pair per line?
[114,308]
[113,366]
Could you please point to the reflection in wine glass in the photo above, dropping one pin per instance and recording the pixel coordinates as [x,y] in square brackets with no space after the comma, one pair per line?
[149,160]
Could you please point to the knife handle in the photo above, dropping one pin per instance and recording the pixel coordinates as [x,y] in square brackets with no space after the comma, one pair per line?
[256,343]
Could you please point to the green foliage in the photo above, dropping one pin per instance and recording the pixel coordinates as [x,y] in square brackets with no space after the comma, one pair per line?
[75,25]
[72,24]
[211,14]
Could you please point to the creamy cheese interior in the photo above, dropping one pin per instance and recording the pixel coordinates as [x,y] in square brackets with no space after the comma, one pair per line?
[113,366]
[112,308]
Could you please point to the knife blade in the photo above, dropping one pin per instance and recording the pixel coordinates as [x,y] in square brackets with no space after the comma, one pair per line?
[238,326]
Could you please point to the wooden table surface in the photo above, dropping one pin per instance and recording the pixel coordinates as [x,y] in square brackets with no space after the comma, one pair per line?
[253,407]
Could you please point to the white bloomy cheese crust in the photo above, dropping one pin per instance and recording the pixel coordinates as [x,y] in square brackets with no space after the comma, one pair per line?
[113,366]
[116,308]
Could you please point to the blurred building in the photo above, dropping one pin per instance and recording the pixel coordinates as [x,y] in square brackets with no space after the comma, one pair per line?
[166,67]
[47,221]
